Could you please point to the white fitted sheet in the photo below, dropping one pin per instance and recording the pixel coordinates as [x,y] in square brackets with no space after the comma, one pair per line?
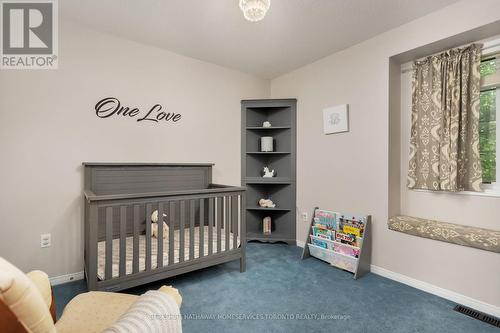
[101,250]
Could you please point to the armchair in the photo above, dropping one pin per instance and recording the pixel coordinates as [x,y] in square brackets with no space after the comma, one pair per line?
[27,305]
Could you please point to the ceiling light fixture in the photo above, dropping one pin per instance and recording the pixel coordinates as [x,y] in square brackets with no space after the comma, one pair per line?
[254,10]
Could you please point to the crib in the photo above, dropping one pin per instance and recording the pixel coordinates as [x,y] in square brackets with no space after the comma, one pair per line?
[206,224]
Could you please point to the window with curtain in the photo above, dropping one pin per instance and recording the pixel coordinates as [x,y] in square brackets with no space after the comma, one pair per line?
[488,130]
[432,79]
[445,122]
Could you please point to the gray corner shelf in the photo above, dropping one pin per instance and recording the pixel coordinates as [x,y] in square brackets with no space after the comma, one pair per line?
[268,152]
[282,188]
[274,180]
[260,128]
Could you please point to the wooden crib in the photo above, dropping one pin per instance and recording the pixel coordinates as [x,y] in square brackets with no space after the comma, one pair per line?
[206,222]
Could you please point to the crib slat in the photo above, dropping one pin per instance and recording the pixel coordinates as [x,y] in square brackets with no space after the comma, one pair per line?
[148,236]
[210,224]
[227,222]
[135,254]
[191,229]
[123,240]
[159,252]
[171,241]
[234,206]
[220,212]
[108,268]
[202,228]
[181,230]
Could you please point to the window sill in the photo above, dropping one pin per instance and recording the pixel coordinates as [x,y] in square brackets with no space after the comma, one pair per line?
[494,193]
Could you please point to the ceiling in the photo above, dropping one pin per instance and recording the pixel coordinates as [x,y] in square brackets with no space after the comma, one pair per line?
[294,32]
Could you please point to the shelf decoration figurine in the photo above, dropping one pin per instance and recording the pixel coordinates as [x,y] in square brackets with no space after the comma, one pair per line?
[266,225]
[266,203]
[266,144]
[266,173]
[266,124]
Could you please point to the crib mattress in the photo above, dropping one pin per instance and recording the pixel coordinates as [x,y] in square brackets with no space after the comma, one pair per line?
[101,250]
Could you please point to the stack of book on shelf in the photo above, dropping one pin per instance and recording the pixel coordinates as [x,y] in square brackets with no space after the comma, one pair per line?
[337,238]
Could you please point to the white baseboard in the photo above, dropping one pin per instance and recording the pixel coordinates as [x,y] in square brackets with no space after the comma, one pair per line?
[300,243]
[438,291]
[55,280]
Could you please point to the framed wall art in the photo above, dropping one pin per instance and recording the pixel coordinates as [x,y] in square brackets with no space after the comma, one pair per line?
[336,119]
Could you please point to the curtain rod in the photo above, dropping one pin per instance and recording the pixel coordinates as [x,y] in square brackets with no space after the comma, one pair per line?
[489,49]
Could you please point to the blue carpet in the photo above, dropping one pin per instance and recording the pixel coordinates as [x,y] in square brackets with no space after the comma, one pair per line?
[278,285]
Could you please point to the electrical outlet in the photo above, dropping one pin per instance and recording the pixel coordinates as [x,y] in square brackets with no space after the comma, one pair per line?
[45,240]
[305,217]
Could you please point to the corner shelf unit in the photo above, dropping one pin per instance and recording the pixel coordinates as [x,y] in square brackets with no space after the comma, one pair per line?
[281,113]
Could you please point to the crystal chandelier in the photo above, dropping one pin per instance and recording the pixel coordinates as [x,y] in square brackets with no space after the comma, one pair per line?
[254,10]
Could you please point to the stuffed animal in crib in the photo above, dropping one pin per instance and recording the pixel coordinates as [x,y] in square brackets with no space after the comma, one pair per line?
[154,225]
[267,203]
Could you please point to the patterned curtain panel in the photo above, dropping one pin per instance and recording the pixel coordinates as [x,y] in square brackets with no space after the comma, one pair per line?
[444,143]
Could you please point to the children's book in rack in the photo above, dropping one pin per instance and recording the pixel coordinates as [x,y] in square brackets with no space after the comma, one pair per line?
[341,239]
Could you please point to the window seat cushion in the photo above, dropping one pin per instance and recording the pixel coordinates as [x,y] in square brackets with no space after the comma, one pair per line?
[480,238]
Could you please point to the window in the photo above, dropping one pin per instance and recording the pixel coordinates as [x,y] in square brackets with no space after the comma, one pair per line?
[488,130]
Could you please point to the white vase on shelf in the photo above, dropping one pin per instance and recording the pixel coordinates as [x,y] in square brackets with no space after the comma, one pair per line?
[266,144]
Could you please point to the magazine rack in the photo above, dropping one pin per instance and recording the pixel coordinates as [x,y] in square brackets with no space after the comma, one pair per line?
[352,258]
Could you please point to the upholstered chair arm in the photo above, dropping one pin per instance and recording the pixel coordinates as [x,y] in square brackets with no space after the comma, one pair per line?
[42,283]
[24,300]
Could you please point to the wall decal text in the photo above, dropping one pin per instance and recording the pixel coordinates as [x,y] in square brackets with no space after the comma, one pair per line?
[111,107]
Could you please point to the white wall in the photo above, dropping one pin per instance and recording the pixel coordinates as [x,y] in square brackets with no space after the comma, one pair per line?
[352,173]
[48,127]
